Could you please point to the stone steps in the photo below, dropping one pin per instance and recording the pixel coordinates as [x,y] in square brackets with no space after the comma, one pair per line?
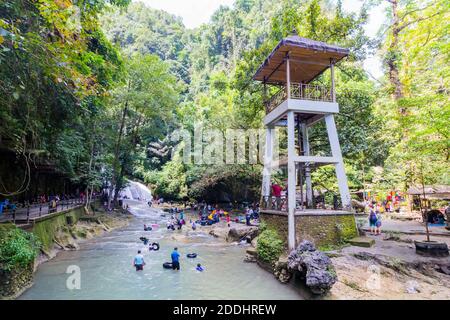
[365,242]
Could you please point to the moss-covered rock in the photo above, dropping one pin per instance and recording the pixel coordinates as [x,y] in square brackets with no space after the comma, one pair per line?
[45,229]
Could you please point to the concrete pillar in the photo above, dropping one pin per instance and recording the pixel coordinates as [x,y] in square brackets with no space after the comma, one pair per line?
[340,170]
[291,180]
[267,172]
[309,191]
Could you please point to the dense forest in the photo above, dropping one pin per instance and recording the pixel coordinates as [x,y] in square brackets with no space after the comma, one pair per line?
[90,92]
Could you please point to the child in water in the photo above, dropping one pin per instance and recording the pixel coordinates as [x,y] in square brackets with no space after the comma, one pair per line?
[199,268]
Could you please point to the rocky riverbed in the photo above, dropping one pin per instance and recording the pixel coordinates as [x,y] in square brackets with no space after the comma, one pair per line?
[390,270]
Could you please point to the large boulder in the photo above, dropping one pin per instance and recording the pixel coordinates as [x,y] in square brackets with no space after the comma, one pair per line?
[314,266]
[242,233]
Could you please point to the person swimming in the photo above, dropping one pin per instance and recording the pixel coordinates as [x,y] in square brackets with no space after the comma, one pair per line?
[199,268]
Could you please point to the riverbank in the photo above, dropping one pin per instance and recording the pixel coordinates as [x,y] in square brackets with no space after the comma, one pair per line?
[87,227]
[65,237]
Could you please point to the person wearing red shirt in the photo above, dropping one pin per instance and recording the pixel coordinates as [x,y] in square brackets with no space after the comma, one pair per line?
[276,192]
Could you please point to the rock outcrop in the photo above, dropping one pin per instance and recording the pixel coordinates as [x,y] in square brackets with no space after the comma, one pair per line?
[13,282]
[251,255]
[281,270]
[242,233]
[314,266]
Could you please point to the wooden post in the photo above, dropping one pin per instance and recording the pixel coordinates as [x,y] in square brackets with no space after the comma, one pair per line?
[333,89]
[28,213]
[40,209]
[14,215]
[288,77]
[265,95]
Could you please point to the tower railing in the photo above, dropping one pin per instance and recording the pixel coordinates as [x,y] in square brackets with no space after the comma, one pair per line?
[300,91]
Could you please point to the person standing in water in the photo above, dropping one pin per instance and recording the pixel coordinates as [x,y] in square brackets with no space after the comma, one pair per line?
[175,259]
[139,262]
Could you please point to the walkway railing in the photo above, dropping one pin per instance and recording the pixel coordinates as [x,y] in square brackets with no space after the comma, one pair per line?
[31,211]
[302,92]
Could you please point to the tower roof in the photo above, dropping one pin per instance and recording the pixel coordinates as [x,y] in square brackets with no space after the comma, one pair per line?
[308,59]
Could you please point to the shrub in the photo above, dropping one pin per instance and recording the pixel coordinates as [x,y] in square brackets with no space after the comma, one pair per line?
[270,246]
[17,248]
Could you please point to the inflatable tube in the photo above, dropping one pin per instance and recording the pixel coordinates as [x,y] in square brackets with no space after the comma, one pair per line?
[148,229]
[167,265]
[191,255]
[154,246]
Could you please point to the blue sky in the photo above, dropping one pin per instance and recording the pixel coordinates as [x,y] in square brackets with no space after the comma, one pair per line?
[196,12]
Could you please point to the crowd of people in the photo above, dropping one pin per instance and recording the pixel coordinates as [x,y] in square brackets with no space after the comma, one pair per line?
[176,220]
[207,215]
[52,200]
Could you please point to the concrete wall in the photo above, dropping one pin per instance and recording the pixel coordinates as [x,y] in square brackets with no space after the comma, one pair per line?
[47,226]
[321,229]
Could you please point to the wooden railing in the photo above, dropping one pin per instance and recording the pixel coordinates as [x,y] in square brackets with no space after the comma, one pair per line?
[299,91]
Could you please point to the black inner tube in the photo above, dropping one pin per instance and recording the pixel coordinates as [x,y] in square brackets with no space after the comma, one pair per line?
[191,255]
[154,246]
[167,265]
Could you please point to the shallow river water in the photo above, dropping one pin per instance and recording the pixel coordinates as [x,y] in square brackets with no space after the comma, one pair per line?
[107,273]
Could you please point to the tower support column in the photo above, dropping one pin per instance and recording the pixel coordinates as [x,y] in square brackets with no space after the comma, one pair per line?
[340,170]
[291,180]
[267,171]
[309,191]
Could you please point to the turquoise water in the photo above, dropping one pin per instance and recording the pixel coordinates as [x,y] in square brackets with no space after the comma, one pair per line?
[107,273]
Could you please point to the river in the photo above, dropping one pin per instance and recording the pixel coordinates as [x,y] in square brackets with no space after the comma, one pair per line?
[106,268]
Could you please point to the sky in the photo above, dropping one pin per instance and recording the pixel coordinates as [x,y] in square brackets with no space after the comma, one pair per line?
[196,12]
